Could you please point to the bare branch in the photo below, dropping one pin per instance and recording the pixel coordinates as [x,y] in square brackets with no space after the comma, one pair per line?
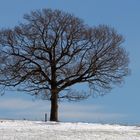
[55,50]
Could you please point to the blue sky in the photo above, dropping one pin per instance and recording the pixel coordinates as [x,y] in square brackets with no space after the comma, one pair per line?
[121,105]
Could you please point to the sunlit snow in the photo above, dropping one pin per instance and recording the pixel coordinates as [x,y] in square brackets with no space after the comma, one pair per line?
[35,130]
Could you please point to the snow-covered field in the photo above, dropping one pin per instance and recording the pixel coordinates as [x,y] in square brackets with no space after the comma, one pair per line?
[30,130]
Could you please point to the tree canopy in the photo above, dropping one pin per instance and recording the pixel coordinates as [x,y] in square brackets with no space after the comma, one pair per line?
[54,50]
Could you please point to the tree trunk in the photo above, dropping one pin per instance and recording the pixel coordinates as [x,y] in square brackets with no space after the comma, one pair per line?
[54,107]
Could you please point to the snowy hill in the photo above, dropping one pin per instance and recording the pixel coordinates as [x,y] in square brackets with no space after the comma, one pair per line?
[29,130]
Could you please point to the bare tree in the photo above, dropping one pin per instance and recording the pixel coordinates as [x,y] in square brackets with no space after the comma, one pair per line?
[54,50]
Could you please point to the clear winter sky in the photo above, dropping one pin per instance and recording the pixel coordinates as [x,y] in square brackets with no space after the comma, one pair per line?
[122,104]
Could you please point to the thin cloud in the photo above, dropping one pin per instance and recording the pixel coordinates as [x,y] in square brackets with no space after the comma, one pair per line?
[18,108]
[88,112]
[17,103]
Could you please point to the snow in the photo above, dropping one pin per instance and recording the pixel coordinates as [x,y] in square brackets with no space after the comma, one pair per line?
[35,130]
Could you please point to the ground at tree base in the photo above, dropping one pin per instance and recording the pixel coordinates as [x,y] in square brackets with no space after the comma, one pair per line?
[35,130]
